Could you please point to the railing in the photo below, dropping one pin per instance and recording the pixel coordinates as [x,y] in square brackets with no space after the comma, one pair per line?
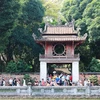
[14,90]
[66,90]
[50,90]
[62,57]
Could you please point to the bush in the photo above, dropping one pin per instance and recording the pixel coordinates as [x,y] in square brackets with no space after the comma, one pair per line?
[94,79]
[29,79]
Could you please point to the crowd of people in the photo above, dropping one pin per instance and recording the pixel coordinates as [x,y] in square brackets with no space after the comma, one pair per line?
[62,80]
[13,82]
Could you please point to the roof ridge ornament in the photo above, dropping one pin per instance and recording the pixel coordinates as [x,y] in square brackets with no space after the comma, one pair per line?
[85,35]
[34,36]
[46,25]
[40,29]
[78,30]
[70,24]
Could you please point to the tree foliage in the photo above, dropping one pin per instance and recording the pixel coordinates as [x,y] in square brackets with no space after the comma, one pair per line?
[94,79]
[92,17]
[20,18]
[94,65]
[87,15]
[9,10]
[18,67]
[53,11]
[21,44]
[11,67]
[32,13]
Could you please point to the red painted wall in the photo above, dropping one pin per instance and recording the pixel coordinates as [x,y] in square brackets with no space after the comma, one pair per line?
[69,47]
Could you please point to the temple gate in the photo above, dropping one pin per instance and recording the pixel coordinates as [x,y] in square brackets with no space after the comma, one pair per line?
[59,43]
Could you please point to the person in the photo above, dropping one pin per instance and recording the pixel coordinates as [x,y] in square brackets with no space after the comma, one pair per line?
[91,83]
[24,82]
[70,78]
[85,82]
[43,83]
[36,83]
[3,83]
[50,77]
[65,83]
[18,82]
[39,84]
[79,83]
[67,77]
[10,82]
[14,82]
[57,80]
[63,78]
[48,83]
[52,83]
[54,76]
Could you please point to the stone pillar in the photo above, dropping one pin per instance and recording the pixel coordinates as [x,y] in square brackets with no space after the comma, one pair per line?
[75,71]
[43,70]
[29,89]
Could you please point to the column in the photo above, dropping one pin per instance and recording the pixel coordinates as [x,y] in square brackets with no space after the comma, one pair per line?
[43,70]
[75,71]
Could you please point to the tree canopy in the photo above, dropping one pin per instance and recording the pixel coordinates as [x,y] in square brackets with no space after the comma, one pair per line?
[86,14]
[9,10]
[53,11]
[19,19]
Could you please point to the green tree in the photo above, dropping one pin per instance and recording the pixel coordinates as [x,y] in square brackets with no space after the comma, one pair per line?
[95,48]
[32,14]
[53,11]
[94,65]
[18,66]
[85,56]
[70,9]
[11,67]
[87,15]
[8,15]
[21,44]
[92,17]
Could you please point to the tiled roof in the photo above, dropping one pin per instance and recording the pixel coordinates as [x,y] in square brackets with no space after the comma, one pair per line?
[64,38]
[61,33]
[59,30]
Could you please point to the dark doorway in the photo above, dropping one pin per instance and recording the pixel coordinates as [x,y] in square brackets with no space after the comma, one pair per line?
[59,68]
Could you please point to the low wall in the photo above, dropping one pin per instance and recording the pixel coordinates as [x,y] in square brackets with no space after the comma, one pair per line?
[13,90]
[66,90]
[49,91]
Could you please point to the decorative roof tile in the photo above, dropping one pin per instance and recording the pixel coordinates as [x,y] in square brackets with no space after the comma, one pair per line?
[61,33]
[63,38]
[59,30]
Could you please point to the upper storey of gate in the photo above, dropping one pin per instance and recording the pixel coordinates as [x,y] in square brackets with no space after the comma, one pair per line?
[67,29]
[61,33]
